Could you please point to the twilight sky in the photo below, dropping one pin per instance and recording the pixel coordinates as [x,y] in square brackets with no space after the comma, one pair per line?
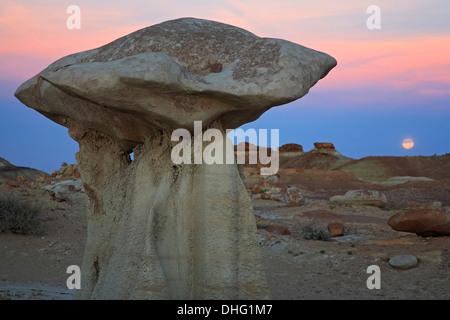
[390,84]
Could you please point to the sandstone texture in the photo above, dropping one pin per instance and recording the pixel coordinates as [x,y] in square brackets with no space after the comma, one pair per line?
[158,230]
[293,196]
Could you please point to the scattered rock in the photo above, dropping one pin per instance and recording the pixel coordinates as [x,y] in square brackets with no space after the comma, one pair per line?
[274,194]
[274,228]
[403,262]
[261,242]
[278,246]
[43,178]
[66,172]
[278,197]
[265,196]
[336,229]
[348,238]
[271,179]
[362,198]
[293,196]
[64,186]
[274,190]
[255,190]
[423,222]
[12,183]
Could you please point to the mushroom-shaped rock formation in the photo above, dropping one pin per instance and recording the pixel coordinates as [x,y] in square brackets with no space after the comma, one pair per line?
[156,229]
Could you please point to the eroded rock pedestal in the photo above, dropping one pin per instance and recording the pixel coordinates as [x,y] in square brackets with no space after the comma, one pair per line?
[158,230]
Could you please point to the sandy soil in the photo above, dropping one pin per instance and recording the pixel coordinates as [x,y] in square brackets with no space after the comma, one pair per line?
[34,267]
[309,269]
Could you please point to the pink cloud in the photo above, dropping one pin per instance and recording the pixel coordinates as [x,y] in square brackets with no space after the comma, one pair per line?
[400,63]
[38,35]
[35,34]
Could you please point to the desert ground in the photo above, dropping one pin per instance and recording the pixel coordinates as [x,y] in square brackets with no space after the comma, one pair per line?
[34,266]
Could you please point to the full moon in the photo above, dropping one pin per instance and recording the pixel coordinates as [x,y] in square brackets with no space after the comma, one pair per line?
[408,143]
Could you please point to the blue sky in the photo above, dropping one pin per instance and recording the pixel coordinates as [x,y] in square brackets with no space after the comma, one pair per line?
[389,84]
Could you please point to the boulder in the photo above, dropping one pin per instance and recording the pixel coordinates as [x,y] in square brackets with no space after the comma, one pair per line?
[403,261]
[278,197]
[275,228]
[293,196]
[261,242]
[255,190]
[274,194]
[64,186]
[160,230]
[423,222]
[66,172]
[271,179]
[361,198]
[350,238]
[335,229]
